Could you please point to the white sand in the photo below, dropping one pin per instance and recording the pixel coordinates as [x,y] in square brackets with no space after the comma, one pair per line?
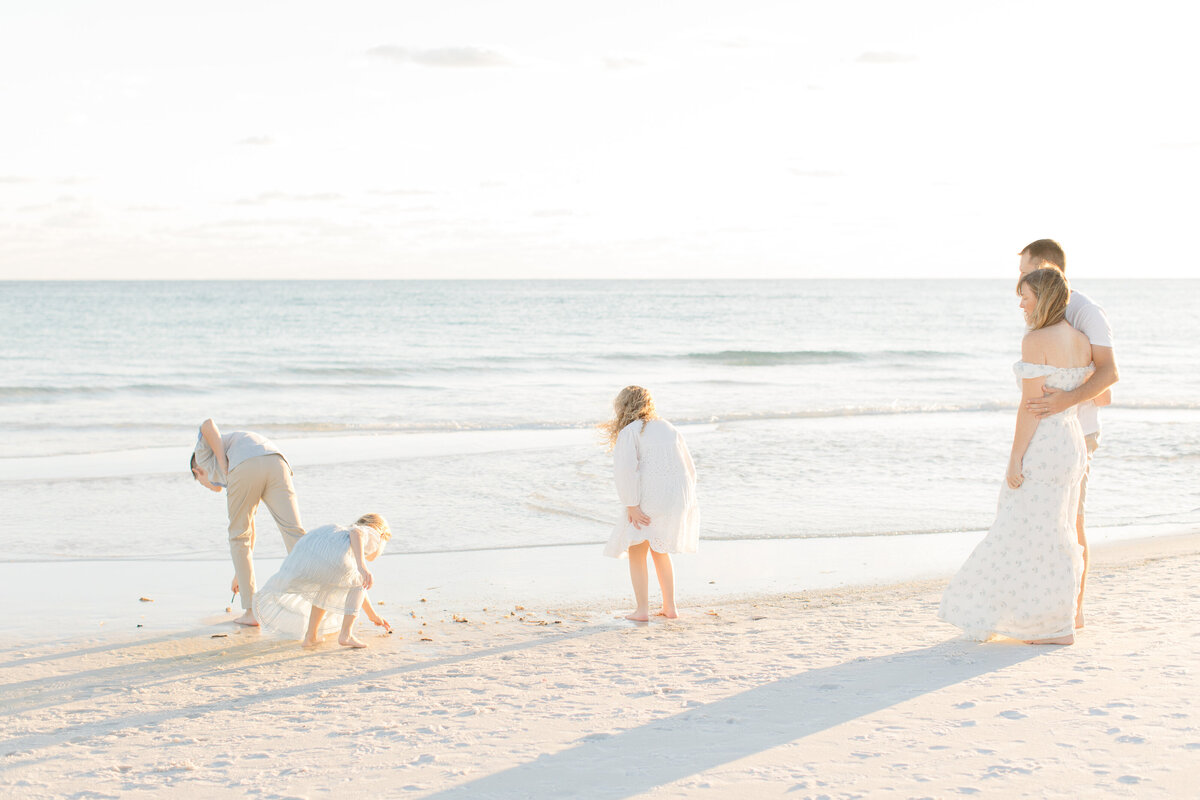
[846,693]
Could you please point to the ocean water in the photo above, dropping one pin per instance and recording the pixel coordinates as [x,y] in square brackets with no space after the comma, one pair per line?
[465,411]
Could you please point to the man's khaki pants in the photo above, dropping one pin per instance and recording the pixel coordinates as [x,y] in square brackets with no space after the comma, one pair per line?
[269,479]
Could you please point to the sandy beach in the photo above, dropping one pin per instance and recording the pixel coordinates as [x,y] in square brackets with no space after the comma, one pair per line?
[852,692]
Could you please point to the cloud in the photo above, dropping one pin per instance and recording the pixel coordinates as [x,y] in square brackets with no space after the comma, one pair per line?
[884,57]
[623,62]
[817,173]
[441,56]
[262,198]
[1179,145]
[554,212]
[399,192]
[256,141]
[15,179]
[66,211]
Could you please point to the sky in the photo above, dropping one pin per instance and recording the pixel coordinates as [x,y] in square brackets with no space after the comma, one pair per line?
[217,140]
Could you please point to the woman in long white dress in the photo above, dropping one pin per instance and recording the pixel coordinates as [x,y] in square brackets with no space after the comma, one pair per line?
[656,481]
[323,583]
[1022,580]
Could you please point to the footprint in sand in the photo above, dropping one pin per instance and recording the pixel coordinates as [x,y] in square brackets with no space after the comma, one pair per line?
[1012,715]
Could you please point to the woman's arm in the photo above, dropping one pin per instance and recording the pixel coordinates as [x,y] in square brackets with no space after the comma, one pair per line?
[356,548]
[212,435]
[1027,422]
[1026,425]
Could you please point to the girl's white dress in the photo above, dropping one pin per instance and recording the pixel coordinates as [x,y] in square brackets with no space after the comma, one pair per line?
[1022,580]
[320,571]
[653,468]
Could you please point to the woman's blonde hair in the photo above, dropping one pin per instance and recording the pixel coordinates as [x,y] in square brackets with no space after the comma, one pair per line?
[632,403]
[378,523]
[1052,291]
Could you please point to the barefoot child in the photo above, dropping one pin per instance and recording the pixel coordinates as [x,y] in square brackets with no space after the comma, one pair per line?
[325,572]
[656,482]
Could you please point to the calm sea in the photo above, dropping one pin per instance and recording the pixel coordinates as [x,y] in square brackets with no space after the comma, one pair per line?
[463,411]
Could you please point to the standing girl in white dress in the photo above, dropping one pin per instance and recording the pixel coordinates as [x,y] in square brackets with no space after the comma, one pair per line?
[656,482]
[325,572]
[1022,580]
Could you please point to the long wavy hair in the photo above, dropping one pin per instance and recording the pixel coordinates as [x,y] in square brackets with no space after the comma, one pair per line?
[1052,291]
[632,403]
[378,523]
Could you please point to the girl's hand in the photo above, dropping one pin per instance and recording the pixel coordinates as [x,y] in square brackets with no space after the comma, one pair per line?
[233,587]
[1014,477]
[368,580]
[635,515]
[383,623]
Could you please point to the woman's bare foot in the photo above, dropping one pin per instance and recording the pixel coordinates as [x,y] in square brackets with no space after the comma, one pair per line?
[248,619]
[1068,639]
[639,616]
[350,641]
[669,613]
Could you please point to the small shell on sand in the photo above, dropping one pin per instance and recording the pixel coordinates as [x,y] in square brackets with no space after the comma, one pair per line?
[145,600]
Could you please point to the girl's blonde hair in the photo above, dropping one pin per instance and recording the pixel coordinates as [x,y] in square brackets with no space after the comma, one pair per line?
[1052,291]
[631,404]
[378,523]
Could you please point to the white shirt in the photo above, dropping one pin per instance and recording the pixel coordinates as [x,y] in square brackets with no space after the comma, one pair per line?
[1089,319]
[239,446]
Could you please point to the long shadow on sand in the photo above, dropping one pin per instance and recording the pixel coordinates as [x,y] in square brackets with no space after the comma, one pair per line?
[136,672]
[94,684]
[628,763]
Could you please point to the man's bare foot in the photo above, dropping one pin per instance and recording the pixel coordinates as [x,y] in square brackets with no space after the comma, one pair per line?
[350,641]
[668,613]
[248,619]
[1068,639]
[639,616]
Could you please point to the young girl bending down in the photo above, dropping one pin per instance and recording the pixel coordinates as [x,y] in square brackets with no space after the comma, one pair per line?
[656,482]
[325,572]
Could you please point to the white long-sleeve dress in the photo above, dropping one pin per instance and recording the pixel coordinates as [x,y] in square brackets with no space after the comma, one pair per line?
[653,469]
[320,571]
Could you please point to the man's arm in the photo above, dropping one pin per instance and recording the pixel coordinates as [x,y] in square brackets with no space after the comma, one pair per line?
[212,435]
[1056,400]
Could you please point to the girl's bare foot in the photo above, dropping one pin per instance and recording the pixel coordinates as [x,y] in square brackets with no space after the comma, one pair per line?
[639,616]
[350,641]
[669,613]
[1079,621]
[247,619]
[1068,639]
[309,644]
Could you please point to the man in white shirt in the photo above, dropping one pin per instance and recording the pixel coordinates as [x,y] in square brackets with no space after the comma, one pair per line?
[251,469]
[1089,319]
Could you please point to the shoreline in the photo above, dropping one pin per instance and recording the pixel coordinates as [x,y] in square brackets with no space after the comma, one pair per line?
[92,601]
